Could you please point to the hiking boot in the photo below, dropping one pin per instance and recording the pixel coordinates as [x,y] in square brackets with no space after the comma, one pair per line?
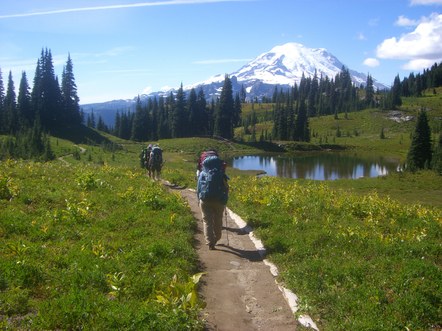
[211,247]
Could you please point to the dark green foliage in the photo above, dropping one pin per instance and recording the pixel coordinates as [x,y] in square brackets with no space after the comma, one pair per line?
[24,107]
[419,154]
[30,117]
[28,143]
[140,123]
[224,115]
[70,101]
[369,92]
[436,162]
[178,116]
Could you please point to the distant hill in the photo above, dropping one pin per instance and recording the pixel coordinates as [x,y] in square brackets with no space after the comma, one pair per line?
[282,66]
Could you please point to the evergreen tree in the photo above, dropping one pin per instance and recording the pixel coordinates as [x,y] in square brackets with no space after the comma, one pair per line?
[70,99]
[101,126]
[312,95]
[224,113]
[91,120]
[163,120]
[10,107]
[46,93]
[180,117]
[2,103]
[140,123]
[237,110]
[243,94]
[369,92]
[24,106]
[395,92]
[117,125]
[302,131]
[419,154]
[202,114]
[193,111]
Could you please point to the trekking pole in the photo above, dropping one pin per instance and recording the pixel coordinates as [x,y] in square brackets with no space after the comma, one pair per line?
[227,232]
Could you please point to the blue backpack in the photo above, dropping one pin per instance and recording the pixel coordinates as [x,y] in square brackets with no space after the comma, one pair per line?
[212,181]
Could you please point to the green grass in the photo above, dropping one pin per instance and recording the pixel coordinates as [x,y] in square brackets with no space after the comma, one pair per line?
[88,246]
[88,242]
[356,263]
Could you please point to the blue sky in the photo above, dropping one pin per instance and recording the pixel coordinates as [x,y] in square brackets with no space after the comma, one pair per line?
[122,48]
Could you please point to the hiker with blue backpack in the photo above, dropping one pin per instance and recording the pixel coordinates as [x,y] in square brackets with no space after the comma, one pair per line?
[155,162]
[212,192]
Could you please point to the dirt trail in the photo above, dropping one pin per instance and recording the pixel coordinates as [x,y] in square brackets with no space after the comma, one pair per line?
[239,289]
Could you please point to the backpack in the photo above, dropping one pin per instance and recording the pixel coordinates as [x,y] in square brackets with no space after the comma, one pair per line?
[156,157]
[144,157]
[203,157]
[212,180]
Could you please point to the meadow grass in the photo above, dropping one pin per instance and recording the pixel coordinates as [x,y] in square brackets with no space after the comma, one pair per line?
[356,263]
[87,246]
[88,242]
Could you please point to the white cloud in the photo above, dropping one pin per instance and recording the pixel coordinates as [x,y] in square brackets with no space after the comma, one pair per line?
[404,21]
[117,6]
[419,47]
[425,2]
[371,62]
[418,64]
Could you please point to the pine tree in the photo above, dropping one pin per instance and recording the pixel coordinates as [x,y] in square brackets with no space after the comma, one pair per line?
[24,106]
[419,154]
[179,124]
[193,111]
[10,107]
[2,103]
[302,131]
[70,100]
[237,110]
[91,120]
[101,126]
[224,113]
[202,115]
[46,93]
[369,92]
[396,93]
[140,123]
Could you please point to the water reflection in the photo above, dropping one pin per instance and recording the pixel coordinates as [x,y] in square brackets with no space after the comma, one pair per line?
[324,166]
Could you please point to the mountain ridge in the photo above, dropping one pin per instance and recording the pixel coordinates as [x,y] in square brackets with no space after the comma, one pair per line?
[282,66]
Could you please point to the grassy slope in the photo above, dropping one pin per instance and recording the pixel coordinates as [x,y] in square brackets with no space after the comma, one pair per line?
[42,189]
[86,244]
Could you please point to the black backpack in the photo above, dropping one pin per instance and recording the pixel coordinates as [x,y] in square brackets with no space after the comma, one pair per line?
[156,157]
[212,180]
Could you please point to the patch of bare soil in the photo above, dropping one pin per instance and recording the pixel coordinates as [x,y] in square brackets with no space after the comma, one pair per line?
[239,290]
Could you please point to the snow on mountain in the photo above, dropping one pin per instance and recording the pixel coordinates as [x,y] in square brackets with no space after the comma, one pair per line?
[285,65]
[282,66]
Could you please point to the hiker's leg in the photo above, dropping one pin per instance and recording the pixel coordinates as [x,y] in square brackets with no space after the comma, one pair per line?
[207,213]
[218,211]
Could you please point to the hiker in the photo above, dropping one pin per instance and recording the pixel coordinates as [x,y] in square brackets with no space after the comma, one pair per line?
[155,162]
[212,192]
[145,156]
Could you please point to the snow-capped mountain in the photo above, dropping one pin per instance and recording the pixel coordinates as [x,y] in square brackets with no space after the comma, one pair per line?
[282,66]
